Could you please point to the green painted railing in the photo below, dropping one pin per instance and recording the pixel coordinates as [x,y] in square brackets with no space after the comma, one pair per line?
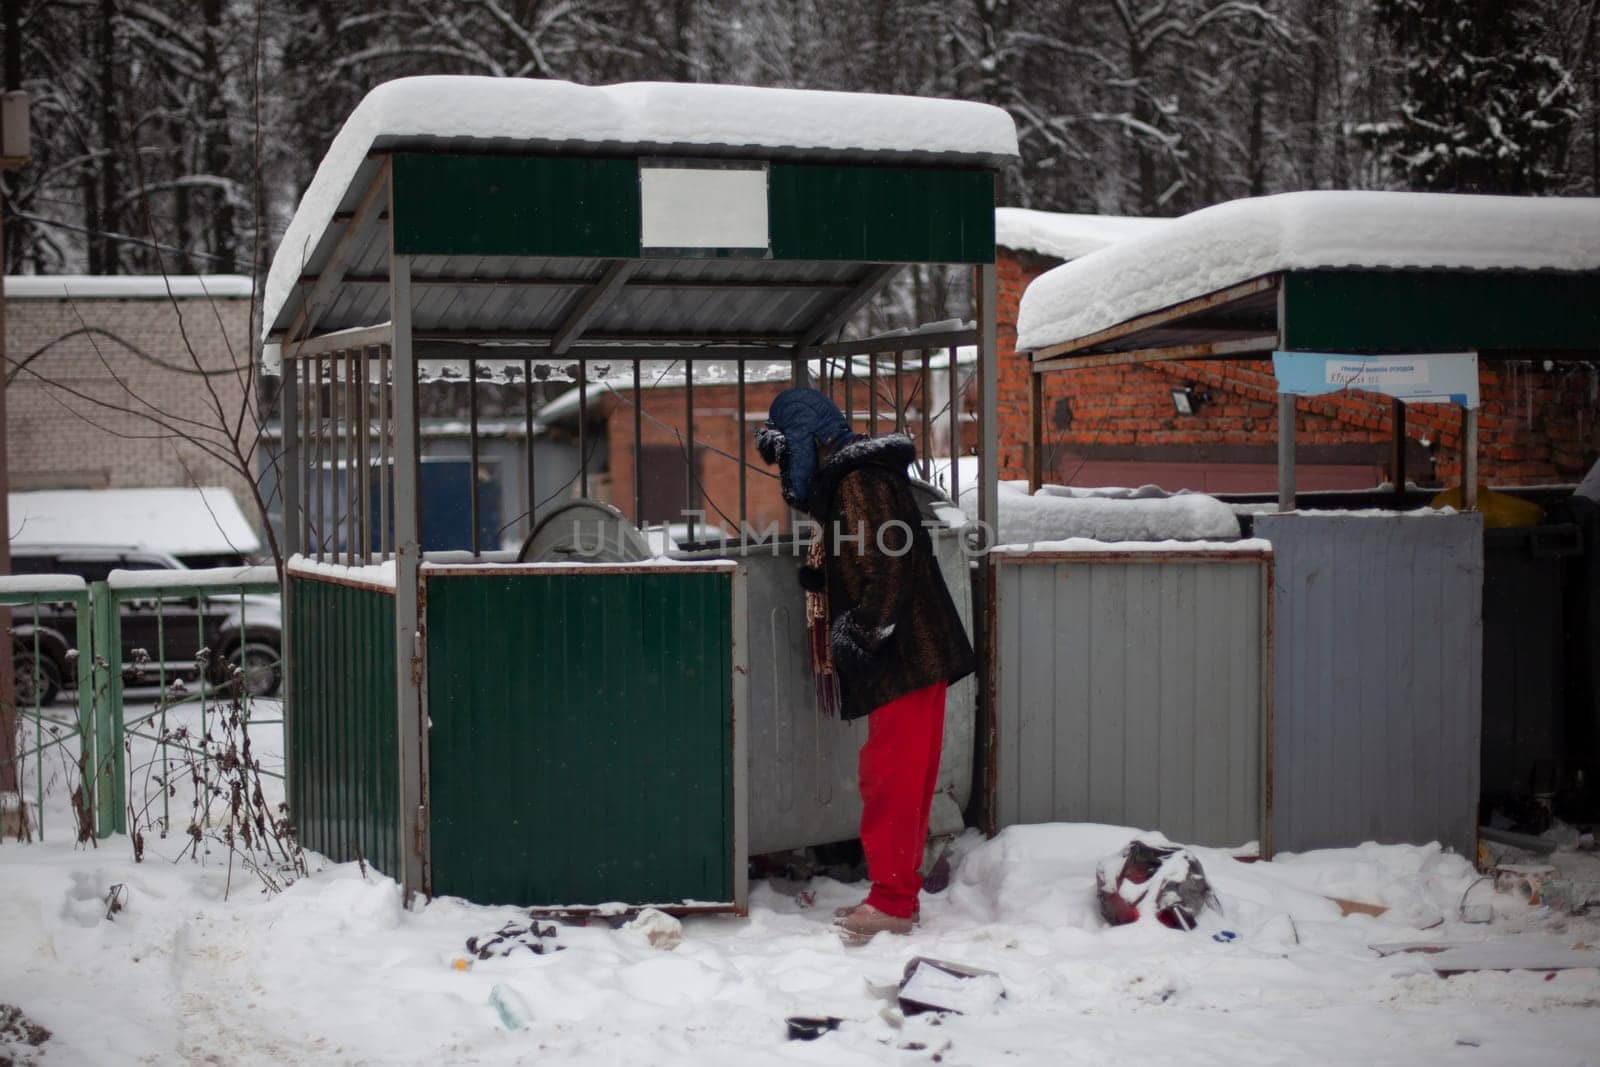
[97,662]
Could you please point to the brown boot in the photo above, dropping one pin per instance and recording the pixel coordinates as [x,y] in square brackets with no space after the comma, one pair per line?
[839,913]
[866,922]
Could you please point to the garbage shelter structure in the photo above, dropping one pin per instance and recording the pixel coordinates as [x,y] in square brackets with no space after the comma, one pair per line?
[1348,704]
[583,721]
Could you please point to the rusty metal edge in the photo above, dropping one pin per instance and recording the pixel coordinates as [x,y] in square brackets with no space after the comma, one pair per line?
[433,570]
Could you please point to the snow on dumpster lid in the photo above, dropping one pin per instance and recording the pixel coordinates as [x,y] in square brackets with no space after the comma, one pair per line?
[649,115]
[1229,243]
[182,522]
[1064,235]
[127,286]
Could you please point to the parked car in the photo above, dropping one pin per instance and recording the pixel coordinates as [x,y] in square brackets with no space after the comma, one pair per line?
[170,633]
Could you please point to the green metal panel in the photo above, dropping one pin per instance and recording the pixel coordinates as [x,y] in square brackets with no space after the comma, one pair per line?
[881,214]
[510,205]
[580,743]
[573,206]
[1435,311]
[344,791]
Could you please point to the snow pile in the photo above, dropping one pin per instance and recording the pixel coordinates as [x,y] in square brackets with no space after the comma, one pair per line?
[127,287]
[649,115]
[182,522]
[1066,236]
[1061,513]
[1233,242]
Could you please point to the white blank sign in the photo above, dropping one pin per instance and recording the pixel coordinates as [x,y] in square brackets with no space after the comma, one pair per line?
[702,207]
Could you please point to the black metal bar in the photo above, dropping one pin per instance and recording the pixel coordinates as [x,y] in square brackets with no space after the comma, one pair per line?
[872,394]
[926,404]
[955,428]
[307,461]
[849,398]
[583,428]
[527,433]
[744,437]
[385,452]
[472,446]
[351,490]
[691,483]
[364,432]
[899,393]
[638,447]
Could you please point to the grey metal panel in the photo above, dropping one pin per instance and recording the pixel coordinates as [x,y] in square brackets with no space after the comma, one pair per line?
[802,765]
[1132,692]
[1378,675]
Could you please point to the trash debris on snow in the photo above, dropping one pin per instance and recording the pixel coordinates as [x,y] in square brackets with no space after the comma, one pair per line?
[659,929]
[1449,958]
[811,1027]
[509,938]
[938,985]
[513,1010]
[1168,877]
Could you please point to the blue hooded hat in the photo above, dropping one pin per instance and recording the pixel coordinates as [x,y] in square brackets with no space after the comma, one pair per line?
[800,419]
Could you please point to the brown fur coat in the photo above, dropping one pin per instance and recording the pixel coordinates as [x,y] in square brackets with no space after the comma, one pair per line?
[893,627]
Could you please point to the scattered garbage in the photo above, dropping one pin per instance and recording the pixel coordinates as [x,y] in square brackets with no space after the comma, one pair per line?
[1447,958]
[1224,936]
[1358,907]
[513,936]
[811,1027]
[659,929]
[1524,880]
[939,986]
[1169,877]
[514,1011]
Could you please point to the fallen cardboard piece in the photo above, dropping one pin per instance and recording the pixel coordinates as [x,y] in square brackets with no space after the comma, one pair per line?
[938,985]
[1358,907]
[1447,958]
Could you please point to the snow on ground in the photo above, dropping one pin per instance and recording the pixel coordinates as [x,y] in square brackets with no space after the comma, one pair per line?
[1229,243]
[334,970]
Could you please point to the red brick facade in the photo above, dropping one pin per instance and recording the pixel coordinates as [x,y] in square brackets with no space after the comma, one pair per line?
[1536,426]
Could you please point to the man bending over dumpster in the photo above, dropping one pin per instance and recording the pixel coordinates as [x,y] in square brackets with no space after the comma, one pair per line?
[884,631]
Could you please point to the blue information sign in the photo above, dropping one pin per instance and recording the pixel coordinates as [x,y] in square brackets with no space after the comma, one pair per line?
[1436,377]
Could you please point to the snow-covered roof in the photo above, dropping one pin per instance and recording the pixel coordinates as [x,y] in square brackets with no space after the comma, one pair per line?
[182,522]
[1234,242]
[645,116]
[127,286]
[1064,235]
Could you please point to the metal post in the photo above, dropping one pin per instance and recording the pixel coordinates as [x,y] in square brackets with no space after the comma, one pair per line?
[409,663]
[364,452]
[688,459]
[925,390]
[849,398]
[989,527]
[1469,459]
[955,428]
[385,453]
[307,434]
[319,474]
[638,448]
[583,428]
[472,446]
[351,491]
[872,394]
[899,391]
[1397,453]
[527,439]
[989,446]
[743,431]
[1285,452]
[1035,430]
[289,458]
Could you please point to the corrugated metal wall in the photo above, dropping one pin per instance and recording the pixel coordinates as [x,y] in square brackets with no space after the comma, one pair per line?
[344,792]
[803,782]
[1378,675]
[1132,691]
[581,746]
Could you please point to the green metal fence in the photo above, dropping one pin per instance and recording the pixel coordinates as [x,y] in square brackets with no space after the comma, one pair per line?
[96,672]
[584,744]
[343,748]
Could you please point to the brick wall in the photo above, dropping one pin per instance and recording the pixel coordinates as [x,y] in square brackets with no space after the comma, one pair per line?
[79,414]
[1536,426]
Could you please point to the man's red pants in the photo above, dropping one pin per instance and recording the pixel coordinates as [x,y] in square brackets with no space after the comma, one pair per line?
[899,769]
